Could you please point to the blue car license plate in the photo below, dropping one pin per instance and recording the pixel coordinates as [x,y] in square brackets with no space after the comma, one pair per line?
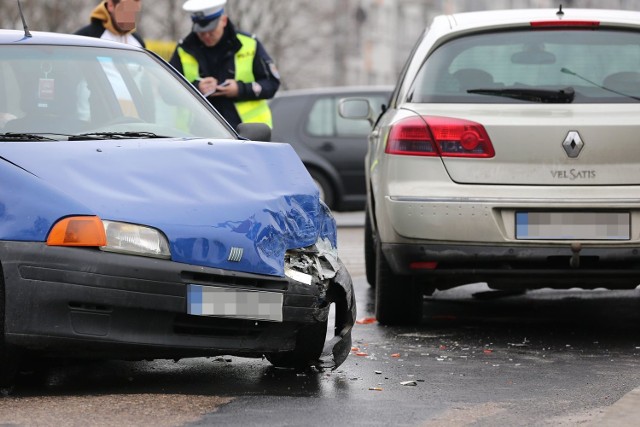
[233,303]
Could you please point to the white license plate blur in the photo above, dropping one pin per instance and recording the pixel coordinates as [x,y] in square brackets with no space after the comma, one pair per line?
[232,303]
[573,225]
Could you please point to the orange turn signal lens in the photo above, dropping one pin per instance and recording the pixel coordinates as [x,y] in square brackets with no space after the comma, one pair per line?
[78,231]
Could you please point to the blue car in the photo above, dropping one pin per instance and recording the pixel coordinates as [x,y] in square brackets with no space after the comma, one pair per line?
[135,223]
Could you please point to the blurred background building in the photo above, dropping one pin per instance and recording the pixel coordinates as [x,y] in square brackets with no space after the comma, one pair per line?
[315,43]
[377,35]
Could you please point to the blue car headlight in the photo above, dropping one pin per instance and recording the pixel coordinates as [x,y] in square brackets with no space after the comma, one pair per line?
[135,239]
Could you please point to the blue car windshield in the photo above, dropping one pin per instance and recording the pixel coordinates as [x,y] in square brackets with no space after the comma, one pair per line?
[75,90]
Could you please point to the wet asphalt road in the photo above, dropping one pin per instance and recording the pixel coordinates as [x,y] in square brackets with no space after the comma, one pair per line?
[546,358]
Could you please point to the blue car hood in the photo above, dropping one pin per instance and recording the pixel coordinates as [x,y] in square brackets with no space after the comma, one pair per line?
[206,196]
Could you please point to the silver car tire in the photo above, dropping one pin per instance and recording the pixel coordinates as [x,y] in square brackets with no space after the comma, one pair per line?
[399,299]
[369,250]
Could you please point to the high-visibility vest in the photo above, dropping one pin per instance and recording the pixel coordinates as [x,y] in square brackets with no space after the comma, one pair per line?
[256,111]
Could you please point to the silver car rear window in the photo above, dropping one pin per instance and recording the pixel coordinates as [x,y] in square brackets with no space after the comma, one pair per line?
[601,66]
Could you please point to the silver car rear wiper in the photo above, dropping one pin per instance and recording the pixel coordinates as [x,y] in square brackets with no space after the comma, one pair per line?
[562,96]
[573,73]
[115,135]
[19,136]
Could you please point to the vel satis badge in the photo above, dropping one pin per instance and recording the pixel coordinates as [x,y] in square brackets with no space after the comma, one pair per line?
[573,144]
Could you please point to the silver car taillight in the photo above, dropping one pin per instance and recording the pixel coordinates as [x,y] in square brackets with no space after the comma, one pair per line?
[439,136]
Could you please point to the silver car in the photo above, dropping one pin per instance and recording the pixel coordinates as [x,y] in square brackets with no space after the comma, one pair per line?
[509,154]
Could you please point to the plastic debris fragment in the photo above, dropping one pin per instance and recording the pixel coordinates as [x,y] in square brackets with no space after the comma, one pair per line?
[524,343]
[319,260]
[366,321]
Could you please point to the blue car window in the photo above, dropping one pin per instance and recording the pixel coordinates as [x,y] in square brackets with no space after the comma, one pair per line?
[72,90]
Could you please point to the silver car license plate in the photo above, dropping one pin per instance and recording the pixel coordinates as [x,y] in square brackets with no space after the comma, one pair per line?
[232,303]
[573,225]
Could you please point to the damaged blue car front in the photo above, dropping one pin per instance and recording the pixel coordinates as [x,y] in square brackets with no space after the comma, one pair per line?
[136,224]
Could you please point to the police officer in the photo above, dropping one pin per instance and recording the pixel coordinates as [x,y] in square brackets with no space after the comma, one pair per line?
[231,68]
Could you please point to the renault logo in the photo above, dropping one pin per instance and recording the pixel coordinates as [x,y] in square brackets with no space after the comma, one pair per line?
[573,144]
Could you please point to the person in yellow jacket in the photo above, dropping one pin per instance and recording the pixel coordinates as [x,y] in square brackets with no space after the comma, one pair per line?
[231,68]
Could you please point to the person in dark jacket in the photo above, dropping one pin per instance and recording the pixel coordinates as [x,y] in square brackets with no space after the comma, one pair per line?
[231,68]
[115,20]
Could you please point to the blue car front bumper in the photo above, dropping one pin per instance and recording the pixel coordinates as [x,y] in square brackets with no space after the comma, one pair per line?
[82,302]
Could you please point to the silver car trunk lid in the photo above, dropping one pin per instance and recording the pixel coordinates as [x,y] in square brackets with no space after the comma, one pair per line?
[549,144]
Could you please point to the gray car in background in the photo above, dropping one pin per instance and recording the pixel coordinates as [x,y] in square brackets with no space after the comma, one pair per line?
[331,147]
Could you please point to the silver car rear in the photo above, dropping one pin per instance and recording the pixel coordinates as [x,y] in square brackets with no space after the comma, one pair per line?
[509,155]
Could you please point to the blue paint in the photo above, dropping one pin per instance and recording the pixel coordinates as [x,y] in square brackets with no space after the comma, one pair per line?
[206,198]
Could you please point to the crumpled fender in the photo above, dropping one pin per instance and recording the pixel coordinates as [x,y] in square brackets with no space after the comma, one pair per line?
[319,265]
[341,293]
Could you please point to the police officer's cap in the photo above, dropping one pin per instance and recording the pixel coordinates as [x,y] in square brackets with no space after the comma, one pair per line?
[205,14]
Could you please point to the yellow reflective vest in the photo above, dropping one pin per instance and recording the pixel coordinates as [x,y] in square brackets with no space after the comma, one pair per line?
[256,111]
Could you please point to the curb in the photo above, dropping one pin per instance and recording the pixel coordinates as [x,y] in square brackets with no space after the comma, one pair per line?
[623,413]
